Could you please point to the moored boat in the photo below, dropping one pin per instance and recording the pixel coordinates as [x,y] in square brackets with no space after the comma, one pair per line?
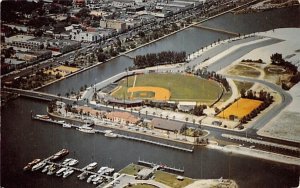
[46,168]
[86,129]
[42,116]
[92,166]
[38,166]
[83,175]
[91,178]
[31,164]
[73,162]
[67,173]
[60,154]
[67,125]
[111,135]
[60,171]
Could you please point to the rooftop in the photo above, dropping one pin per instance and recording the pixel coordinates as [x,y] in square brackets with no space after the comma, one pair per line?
[167,124]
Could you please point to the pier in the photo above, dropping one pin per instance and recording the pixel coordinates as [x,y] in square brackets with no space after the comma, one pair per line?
[106,178]
[217,30]
[160,166]
[121,136]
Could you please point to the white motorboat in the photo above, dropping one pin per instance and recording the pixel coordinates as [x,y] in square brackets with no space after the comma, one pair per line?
[66,125]
[73,162]
[96,179]
[67,161]
[102,169]
[111,135]
[67,173]
[109,171]
[59,154]
[38,166]
[60,171]
[91,178]
[83,175]
[92,166]
[45,169]
[86,129]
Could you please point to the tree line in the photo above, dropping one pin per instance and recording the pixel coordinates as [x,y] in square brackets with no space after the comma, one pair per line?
[162,58]
[203,73]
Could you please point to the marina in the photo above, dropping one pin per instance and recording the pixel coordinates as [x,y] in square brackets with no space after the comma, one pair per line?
[108,133]
[66,168]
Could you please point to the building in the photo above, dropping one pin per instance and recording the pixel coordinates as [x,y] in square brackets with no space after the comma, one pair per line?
[34,55]
[122,117]
[145,174]
[114,24]
[123,3]
[63,46]
[85,36]
[14,63]
[167,125]
[186,106]
[21,41]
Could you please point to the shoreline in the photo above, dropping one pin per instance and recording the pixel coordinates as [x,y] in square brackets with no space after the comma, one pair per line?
[129,131]
[260,154]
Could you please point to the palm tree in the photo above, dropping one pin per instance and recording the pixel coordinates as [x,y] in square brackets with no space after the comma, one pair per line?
[80,112]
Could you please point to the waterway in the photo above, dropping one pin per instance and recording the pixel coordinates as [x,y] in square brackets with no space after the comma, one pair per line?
[23,139]
[257,22]
[181,41]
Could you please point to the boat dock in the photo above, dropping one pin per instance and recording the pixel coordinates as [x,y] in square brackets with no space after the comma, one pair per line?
[160,166]
[156,143]
[80,170]
[122,136]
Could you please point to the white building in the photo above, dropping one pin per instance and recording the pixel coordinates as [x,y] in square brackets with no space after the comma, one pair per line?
[84,36]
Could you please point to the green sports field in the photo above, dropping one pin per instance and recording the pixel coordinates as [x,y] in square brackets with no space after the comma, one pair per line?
[182,87]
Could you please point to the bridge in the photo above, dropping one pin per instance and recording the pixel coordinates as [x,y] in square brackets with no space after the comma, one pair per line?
[217,30]
[126,55]
[37,95]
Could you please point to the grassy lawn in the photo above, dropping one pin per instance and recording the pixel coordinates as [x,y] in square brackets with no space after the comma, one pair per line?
[131,169]
[244,71]
[170,179]
[182,87]
[140,186]
[243,85]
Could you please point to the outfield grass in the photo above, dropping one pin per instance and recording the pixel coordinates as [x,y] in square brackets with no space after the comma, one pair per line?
[171,180]
[182,87]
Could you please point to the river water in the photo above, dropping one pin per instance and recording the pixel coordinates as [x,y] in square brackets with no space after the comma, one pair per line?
[23,139]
